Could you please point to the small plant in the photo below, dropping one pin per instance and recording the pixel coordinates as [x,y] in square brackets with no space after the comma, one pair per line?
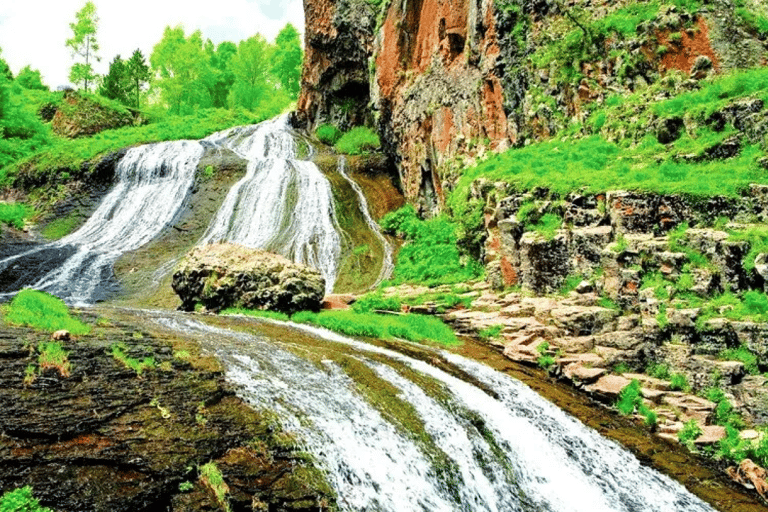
[658,370]
[14,214]
[744,355]
[679,382]
[621,368]
[629,398]
[620,245]
[21,500]
[358,141]
[30,375]
[52,355]
[207,172]
[119,353]
[328,134]
[545,361]
[607,303]
[690,432]
[490,332]
[186,486]
[211,476]
[661,317]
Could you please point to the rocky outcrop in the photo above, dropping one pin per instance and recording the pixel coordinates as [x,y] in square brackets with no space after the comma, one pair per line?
[448,81]
[227,275]
[79,116]
[107,438]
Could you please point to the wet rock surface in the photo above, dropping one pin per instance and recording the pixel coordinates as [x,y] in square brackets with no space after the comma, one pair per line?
[227,275]
[108,439]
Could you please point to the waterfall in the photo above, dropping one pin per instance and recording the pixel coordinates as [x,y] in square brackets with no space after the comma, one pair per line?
[387,264]
[153,183]
[283,204]
[510,451]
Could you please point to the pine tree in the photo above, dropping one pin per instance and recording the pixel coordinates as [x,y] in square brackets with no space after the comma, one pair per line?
[83,43]
[137,73]
[116,83]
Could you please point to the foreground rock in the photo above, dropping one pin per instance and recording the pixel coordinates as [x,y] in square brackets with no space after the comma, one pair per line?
[108,439]
[227,275]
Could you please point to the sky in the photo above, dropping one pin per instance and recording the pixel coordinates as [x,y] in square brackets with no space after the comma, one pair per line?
[33,32]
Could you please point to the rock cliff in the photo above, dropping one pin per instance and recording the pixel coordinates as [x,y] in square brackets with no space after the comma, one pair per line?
[446,81]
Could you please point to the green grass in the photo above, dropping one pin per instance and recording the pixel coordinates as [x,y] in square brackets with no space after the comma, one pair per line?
[48,164]
[328,134]
[679,382]
[21,500]
[658,370]
[411,327]
[59,228]
[137,365]
[42,311]
[430,255]
[14,214]
[257,313]
[744,355]
[375,301]
[358,141]
[211,476]
[690,432]
[53,355]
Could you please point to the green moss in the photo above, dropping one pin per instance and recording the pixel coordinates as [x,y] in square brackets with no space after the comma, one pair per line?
[119,352]
[59,228]
[358,141]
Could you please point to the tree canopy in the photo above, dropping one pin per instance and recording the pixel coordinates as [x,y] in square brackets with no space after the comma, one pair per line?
[288,60]
[30,78]
[84,45]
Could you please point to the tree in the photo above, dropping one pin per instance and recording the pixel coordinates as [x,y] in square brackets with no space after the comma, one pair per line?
[251,67]
[288,60]
[223,77]
[5,69]
[115,83]
[183,70]
[30,78]
[83,43]
[137,74]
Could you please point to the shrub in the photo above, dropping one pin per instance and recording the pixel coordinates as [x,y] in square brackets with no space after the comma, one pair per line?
[690,432]
[744,355]
[375,301]
[358,141]
[658,370]
[328,134]
[629,398]
[490,332]
[679,382]
[43,311]
[21,500]
[14,214]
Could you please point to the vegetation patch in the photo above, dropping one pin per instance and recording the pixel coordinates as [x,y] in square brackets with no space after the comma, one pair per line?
[59,228]
[411,327]
[43,311]
[211,476]
[53,355]
[328,134]
[430,254]
[21,500]
[119,352]
[14,214]
[358,141]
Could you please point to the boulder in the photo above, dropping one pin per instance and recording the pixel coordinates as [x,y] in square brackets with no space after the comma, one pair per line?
[227,275]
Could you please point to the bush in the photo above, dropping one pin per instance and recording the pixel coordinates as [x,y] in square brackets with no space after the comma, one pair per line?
[629,398]
[358,141]
[690,432]
[14,214]
[21,500]
[328,134]
[43,311]
[375,301]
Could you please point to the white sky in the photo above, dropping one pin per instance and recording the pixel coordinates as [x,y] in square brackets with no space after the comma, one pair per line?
[34,31]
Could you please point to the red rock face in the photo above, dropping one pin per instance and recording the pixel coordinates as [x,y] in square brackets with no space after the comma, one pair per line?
[436,80]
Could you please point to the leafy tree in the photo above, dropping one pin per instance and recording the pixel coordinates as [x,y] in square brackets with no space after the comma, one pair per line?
[137,74]
[30,78]
[183,70]
[223,77]
[83,43]
[251,67]
[288,59]
[115,83]
[5,69]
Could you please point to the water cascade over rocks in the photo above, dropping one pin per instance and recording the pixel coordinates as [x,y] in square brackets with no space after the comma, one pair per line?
[463,448]
[283,204]
[153,182]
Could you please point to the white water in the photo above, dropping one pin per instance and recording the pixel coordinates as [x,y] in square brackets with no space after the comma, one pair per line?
[387,264]
[530,457]
[153,183]
[283,204]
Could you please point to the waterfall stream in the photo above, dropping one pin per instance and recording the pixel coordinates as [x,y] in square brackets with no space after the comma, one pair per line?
[153,182]
[283,204]
[509,450]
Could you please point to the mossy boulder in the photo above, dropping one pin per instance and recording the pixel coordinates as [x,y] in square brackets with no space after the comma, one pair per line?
[227,275]
[81,115]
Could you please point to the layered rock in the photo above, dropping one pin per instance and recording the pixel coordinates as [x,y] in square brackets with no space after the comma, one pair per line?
[227,275]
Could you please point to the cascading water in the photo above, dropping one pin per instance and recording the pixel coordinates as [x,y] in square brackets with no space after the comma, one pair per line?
[476,452]
[387,264]
[153,183]
[283,204]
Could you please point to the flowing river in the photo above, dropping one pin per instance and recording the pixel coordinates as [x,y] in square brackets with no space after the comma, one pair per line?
[393,433]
